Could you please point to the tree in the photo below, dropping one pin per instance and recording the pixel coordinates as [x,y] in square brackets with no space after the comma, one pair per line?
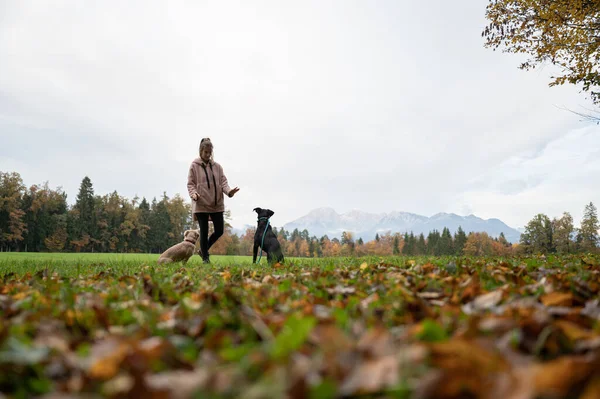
[396,245]
[180,217]
[537,237]
[563,230]
[347,243]
[84,217]
[160,225]
[432,242]
[58,240]
[421,245]
[460,239]
[144,225]
[247,242]
[409,245]
[44,210]
[12,226]
[445,244]
[478,244]
[589,228]
[561,32]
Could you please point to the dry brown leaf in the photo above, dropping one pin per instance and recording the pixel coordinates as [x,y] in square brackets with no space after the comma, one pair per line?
[557,377]
[179,384]
[458,354]
[371,376]
[483,302]
[106,357]
[376,342]
[573,331]
[153,348]
[557,299]
[592,390]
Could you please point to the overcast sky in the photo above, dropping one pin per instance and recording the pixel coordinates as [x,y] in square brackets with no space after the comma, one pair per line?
[373,105]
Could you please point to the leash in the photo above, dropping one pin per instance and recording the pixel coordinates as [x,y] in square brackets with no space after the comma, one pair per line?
[262,241]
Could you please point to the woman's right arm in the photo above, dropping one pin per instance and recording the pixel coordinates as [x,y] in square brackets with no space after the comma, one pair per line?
[191,185]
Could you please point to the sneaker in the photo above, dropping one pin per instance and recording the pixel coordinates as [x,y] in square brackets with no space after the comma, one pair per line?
[205,260]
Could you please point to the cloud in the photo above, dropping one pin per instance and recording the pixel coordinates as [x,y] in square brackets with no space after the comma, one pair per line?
[558,178]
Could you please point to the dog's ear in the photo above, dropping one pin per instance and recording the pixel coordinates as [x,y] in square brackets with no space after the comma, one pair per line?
[270,213]
[185,233]
[257,210]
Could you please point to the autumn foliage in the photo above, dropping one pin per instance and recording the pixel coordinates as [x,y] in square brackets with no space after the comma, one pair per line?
[444,327]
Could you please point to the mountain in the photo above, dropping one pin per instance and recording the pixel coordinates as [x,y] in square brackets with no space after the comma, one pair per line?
[366,225]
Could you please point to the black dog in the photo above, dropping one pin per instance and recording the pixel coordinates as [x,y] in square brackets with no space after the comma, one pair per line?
[269,242]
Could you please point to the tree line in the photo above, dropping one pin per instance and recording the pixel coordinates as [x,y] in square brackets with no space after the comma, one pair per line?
[39,219]
[559,235]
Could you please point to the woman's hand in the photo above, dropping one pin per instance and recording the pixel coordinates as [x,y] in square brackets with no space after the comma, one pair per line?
[233,191]
[195,196]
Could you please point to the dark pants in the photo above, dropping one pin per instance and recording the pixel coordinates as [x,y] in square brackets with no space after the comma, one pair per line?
[205,241]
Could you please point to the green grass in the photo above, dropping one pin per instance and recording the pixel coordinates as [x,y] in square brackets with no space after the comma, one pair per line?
[73,264]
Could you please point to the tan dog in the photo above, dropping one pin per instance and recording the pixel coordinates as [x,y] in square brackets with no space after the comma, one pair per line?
[183,251]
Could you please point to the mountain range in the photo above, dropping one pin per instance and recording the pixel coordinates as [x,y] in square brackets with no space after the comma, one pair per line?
[366,225]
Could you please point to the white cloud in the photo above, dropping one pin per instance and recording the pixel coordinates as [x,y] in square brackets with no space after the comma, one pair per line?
[558,178]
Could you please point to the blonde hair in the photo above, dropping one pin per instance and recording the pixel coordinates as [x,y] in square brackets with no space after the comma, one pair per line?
[205,142]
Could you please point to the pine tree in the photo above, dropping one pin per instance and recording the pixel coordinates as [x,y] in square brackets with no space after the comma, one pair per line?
[460,239]
[160,225]
[407,248]
[445,243]
[84,213]
[396,245]
[433,239]
[421,245]
[589,228]
[144,209]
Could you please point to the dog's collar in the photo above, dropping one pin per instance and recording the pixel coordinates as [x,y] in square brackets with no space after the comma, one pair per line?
[263,218]
[193,242]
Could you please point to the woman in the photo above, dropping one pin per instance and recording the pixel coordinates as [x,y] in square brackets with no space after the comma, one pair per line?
[207,185]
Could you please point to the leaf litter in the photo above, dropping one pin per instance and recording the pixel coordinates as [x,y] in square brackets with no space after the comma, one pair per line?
[417,328]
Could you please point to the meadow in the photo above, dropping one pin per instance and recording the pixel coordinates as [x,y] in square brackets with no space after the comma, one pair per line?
[118,325]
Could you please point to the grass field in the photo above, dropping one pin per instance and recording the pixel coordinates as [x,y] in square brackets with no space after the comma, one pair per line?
[112,325]
[68,264]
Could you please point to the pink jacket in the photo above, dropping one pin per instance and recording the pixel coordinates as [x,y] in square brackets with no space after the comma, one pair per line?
[210,183]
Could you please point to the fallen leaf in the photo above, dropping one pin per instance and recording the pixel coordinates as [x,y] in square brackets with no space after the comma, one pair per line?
[372,375]
[106,357]
[557,299]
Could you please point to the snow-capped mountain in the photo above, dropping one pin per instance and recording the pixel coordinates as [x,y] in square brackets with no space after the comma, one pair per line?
[327,221]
